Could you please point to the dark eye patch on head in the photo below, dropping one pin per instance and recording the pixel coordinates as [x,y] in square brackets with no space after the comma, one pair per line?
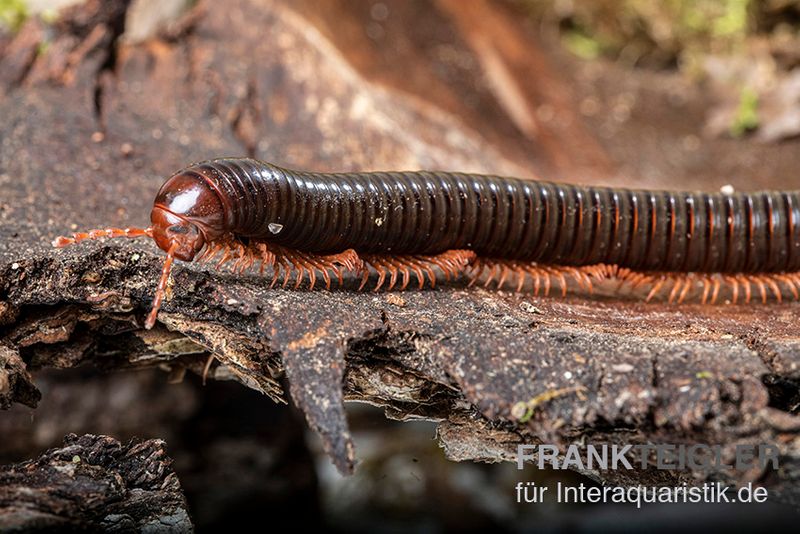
[179,229]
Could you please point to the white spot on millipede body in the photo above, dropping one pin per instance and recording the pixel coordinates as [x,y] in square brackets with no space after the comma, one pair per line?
[275,227]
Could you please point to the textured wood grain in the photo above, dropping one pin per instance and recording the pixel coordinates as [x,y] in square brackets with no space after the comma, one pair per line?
[94,483]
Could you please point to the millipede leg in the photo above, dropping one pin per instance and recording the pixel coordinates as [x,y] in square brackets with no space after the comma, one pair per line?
[521,276]
[537,282]
[562,282]
[475,272]
[287,272]
[789,282]
[492,273]
[735,288]
[364,278]
[426,269]
[381,274]
[287,264]
[315,266]
[402,269]
[706,288]
[683,285]
[491,269]
[715,292]
[747,292]
[583,279]
[452,263]
[276,268]
[687,285]
[656,288]
[505,270]
[776,291]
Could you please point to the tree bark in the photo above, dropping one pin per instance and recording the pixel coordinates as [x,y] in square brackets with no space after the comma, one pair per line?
[94,483]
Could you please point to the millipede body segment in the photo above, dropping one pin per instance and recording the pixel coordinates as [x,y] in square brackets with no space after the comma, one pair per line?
[406,224]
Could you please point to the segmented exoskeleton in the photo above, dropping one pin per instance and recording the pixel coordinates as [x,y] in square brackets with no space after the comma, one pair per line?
[405,224]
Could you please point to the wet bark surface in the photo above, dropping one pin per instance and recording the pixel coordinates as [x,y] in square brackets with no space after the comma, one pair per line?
[92,125]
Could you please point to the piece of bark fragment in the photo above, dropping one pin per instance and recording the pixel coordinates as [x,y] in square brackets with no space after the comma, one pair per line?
[94,483]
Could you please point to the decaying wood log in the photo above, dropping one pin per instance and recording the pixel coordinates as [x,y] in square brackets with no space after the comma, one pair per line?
[94,483]
[91,127]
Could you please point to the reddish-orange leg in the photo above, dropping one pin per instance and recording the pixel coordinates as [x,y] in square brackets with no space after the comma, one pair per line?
[284,261]
[502,271]
[677,287]
[680,287]
[162,288]
[451,263]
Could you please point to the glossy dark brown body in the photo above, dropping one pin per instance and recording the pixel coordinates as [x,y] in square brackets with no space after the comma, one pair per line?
[508,218]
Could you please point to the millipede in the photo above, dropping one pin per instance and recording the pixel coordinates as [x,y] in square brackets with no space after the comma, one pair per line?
[495,230]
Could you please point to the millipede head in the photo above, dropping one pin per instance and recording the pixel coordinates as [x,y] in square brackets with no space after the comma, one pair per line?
[187,214]
[176,233]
